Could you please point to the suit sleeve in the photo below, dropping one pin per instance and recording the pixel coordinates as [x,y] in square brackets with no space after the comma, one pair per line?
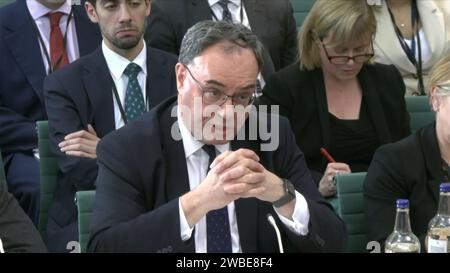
[384,184]
[125,220]
[160,32]
[326,229]
[18,133]
[63,119]
[17,232]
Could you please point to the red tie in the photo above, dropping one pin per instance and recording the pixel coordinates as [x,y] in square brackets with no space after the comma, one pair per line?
[57,51]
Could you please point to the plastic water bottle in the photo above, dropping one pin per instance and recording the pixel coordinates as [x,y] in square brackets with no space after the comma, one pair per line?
[402,240]
[439,227]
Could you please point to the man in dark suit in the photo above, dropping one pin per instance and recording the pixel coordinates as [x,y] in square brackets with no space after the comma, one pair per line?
[91,97]
[25,51]
[17,232]
[162,187]
[272,21]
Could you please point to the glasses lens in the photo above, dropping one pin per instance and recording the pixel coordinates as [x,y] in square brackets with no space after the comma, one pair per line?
[339,60]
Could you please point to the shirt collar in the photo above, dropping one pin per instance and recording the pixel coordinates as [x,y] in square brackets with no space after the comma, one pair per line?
[117,63]
[192,145]
[37,10]
[237,3]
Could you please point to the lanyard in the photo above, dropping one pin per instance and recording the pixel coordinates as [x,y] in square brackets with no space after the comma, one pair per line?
[51,68]
[241,15]
[411,51]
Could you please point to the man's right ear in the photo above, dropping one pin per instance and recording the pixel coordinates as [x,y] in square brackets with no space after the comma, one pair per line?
[180,72]
[91,12]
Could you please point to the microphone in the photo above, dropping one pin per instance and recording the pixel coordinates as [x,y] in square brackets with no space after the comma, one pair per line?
[1,247]
[271,221]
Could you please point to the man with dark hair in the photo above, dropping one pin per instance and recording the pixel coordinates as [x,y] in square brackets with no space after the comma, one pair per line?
[189,176]
[37,37]
[100,93]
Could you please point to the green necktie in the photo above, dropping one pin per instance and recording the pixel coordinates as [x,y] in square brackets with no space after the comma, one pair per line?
[134,101]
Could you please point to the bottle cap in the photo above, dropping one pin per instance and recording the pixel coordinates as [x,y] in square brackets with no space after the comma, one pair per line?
[445,187]
[402,203]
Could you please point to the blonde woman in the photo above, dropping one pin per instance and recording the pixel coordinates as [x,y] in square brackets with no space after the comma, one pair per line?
[412,35]
[334,97]
[412,168]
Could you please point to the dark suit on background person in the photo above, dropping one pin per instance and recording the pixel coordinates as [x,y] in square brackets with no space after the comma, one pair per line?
[409,169]
[272,21]
[22,73]
[79,95]
[143,171]
[17,232]
[301,97]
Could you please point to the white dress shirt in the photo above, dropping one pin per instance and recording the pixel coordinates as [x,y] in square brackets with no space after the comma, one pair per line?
[39,14]
[425,47]
[116,65]
[197,161]
[235,7]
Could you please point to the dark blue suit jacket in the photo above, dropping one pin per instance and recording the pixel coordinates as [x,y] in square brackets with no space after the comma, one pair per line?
[81,94]
[142,172]
[22,73]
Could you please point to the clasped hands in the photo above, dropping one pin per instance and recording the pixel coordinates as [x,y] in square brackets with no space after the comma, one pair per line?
[233,175]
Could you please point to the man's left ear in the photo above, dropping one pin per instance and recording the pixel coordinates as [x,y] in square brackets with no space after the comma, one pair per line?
[91,12]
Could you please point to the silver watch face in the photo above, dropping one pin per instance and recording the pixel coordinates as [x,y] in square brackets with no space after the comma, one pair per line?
[289,194]
[290,189]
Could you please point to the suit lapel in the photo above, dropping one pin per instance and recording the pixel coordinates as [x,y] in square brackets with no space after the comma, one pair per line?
[158,85]
[318,84]
[387,42]
[177,182]
[197,11]
[98,84]
[24,45]
[255,13]
[372,102]
[246,208]
[433,23]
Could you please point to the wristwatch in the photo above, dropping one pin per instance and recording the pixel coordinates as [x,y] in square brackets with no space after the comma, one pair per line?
[289,194]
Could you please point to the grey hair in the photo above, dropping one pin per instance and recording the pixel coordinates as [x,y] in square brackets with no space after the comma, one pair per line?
[209,33]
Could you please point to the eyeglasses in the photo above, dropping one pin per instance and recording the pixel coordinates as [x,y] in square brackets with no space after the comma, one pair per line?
[214,96]
[344,59]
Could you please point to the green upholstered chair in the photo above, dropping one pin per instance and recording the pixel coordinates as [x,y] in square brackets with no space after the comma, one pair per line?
[351,210]
[5,2]
[49,172]
[2,170]
[301,9]
[85,205]
[420,113]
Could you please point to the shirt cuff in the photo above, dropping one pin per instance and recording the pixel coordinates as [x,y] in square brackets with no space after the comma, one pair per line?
[300,217]
[186,231]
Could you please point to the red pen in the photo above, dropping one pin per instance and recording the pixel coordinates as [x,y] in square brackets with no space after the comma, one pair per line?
[327,155]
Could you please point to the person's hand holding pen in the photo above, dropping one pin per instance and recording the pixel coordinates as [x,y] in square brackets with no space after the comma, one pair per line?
[327,186]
